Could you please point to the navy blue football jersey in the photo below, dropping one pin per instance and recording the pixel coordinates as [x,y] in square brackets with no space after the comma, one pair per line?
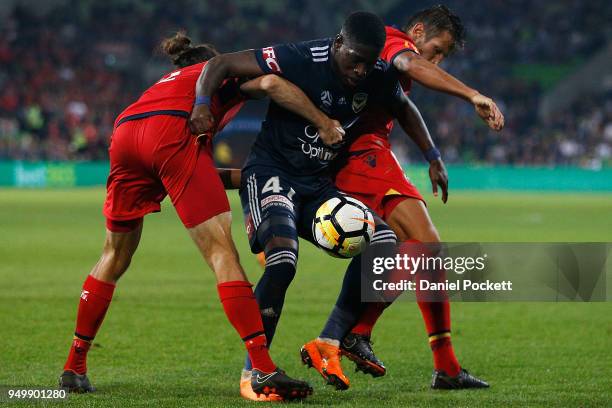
[291,143]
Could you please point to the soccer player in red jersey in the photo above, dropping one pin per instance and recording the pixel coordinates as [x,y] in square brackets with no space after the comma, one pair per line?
[374,176]
[153,154]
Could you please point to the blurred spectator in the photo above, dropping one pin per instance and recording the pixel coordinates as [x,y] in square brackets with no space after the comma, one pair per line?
[66,75]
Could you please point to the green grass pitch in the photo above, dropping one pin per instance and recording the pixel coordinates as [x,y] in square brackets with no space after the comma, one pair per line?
[165,341]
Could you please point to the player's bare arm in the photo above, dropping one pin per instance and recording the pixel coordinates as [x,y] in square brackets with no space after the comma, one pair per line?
[239,64]
[411,121]
[291,97]
[433,77]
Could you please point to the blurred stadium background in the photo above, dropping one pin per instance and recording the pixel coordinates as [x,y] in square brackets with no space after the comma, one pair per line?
[68,68]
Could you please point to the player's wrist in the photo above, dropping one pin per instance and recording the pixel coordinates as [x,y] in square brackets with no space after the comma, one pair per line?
[320,120]
[432,154]
[202,100]
[472,95]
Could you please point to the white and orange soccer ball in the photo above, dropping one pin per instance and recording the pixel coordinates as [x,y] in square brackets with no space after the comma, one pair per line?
[343,226]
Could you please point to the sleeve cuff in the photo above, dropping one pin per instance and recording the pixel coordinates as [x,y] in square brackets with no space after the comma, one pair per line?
[261,62]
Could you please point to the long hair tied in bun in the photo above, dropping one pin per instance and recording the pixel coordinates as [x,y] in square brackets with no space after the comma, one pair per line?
[183,54]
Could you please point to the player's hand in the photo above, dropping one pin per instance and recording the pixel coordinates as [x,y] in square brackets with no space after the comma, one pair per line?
[201,121]
[331,132]
[488,111]
[439,177]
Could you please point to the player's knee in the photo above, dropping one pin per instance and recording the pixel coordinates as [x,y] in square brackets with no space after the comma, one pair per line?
[429,234]
[213,234]
[275,243]
[276,232]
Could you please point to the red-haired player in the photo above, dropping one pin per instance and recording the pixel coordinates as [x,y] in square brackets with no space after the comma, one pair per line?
[374,176]
[153,154]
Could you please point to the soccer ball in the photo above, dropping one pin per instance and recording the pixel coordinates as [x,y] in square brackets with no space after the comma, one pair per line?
[343,226]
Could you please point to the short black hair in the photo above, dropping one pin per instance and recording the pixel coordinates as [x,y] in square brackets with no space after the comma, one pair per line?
[438,19]
[364,28]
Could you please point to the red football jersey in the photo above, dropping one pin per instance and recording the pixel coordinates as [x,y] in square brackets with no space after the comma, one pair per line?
[377,123]
[175,94]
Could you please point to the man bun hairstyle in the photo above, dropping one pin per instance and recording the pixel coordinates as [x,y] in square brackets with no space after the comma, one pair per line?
[183,54]
[438,19]
[364,28]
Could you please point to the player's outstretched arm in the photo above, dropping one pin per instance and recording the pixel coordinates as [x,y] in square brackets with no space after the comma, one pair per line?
[242,64]
[411,121]
[434,77]
[292,98]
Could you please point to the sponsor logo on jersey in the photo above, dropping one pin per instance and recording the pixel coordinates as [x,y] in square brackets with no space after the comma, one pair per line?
[312,133]
[270,59]
[359,101]
[326,101]
[321,153]
[309,148]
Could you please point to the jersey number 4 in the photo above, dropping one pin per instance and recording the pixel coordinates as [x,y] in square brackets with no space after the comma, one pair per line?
[273,185]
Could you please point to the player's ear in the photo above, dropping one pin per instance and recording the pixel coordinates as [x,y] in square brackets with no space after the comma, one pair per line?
[417,31]
[338,41]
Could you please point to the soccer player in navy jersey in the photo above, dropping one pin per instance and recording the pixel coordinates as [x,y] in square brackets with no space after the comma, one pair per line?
[287,176]
[373,175]
[153,154]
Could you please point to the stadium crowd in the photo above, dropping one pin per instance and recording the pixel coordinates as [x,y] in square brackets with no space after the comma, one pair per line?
[66,73]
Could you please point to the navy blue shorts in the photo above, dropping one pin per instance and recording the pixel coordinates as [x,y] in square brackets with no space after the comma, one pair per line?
[276,204]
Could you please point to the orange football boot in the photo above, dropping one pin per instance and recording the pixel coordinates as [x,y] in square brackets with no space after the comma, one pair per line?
[246,391]
[325,358]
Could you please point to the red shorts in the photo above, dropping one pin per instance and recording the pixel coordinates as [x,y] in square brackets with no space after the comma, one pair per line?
[376,178]
[157,156]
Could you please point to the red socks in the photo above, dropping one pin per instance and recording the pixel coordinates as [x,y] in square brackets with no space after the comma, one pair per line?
[436,316]
[437,322]
[77,358]
[443,354]
[368,318]
[95,299]
[242,311]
